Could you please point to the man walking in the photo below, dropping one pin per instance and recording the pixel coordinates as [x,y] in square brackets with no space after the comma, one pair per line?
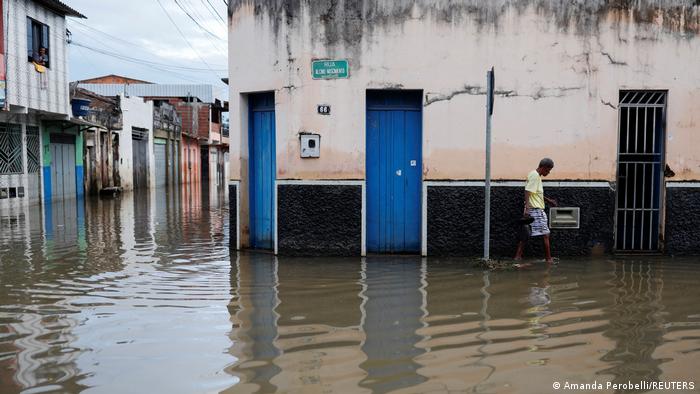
[534,207]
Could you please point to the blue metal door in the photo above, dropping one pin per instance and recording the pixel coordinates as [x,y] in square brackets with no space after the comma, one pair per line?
[394,171]
[262,167]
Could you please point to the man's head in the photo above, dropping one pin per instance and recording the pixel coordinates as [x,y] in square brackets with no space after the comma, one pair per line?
[545,166]
[42,51]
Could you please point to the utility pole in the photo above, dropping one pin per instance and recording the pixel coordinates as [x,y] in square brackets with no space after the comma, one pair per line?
[490,80]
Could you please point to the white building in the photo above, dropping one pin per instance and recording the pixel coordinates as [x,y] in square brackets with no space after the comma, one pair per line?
[361,77]
[136,157]
[33,97]
[202,144]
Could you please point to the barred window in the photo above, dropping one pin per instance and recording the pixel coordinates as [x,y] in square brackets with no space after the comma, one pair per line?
[11,149]
[33,149]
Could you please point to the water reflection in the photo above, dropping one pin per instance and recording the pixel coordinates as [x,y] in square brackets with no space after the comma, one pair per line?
[255,322]
[636,289]
[142,295]
[407,325]
[392,314]
[99,291]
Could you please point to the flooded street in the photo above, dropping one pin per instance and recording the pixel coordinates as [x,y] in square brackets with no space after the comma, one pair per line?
[141,294]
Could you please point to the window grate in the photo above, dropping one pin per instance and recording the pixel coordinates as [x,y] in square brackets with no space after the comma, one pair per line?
[642,98]
[639,172]
[11,149]
[138,133]
[33,149]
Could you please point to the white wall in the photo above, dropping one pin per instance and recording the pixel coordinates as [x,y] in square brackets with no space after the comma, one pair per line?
[23,82]
[559,87]
[31,182]
[136,113]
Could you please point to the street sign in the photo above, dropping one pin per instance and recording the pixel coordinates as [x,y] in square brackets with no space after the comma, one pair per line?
[490,87]
[329,69]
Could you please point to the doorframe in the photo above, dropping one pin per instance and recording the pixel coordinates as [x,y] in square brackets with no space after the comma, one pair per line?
[423,186]
[64,137]
[662,164]
[249,124]
[148,134]
[237,184]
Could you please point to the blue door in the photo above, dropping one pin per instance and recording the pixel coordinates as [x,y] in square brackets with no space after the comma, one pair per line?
[394,171]
[262,167]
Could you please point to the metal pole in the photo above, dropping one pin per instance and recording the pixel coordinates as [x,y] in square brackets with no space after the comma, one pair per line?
[487,186]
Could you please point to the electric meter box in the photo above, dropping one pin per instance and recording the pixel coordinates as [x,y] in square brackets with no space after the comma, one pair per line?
[564,217]
[310,145]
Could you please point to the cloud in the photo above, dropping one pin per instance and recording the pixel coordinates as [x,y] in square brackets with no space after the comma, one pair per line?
[141,29]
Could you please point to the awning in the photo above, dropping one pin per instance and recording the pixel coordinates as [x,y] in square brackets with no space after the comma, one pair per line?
[72,122]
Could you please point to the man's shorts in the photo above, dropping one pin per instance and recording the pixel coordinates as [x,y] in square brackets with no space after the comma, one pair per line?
[539,225]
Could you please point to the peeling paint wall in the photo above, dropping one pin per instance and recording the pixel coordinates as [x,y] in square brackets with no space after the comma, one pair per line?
[559,68]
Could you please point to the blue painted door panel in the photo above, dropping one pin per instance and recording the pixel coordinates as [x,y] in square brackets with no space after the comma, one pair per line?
[394,168]
[262,170]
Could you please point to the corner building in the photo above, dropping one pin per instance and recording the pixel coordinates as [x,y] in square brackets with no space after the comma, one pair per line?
[359,127]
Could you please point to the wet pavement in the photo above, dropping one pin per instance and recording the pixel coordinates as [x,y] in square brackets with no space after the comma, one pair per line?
[140,294]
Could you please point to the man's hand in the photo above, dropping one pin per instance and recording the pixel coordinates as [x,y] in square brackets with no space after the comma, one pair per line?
[552,201]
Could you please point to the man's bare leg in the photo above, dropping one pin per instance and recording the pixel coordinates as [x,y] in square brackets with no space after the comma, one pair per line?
[519,251]
[547,250]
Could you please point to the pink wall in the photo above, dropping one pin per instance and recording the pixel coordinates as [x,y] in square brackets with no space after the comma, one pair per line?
[190,160]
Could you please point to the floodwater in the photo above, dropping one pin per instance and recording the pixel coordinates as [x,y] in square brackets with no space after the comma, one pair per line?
[140,294]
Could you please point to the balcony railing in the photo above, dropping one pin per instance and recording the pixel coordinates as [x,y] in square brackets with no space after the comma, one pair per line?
[105,117]
[166,118]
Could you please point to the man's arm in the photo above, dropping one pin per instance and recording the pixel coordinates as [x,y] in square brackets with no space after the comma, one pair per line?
[527,203]
[551,201]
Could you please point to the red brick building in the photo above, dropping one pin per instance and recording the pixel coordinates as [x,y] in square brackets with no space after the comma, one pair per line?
[112,78]
[203,148]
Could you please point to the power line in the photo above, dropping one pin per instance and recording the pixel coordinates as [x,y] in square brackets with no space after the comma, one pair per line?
[107,34]
[194,11]
[143,61]
[219,67]
[185,38]
[87,59]
[191,11]
[212,12]
[196,22]
[215,11]
[163,70]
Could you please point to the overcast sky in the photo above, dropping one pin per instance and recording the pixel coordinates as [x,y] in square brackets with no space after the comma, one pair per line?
[141,42]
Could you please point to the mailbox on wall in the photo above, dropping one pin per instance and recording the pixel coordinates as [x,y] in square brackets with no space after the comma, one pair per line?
[564,217]
[310,145]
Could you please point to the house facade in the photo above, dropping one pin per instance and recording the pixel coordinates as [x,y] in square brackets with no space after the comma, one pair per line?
[136,141]
[199,144]
[361,128]
[35,102]
[100,122]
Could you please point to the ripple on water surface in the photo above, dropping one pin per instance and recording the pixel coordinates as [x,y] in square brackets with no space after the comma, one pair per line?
[140,294]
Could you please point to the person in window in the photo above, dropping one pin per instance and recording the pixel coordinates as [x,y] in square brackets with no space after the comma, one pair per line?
[41,58]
